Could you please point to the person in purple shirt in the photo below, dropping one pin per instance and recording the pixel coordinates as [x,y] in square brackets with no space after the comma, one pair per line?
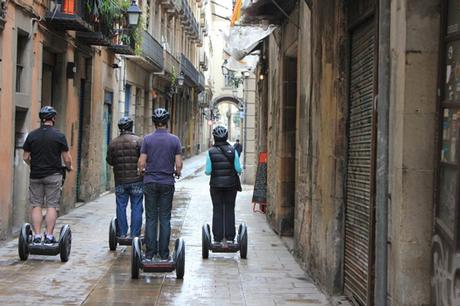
[161,163]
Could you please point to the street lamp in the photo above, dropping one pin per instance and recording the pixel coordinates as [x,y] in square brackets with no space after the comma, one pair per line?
[180,79]
[134,14]
[224,68]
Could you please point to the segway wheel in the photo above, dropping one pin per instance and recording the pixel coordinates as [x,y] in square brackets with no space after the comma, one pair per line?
[65,243]
[179,252]
[243,240]
[23,243]
[135,258]
[113,234]
[204,242]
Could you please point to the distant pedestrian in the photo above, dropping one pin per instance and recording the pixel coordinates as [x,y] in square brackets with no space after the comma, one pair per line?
[45,150]
[161,162]
[238,147]
[123,154]
[223,165]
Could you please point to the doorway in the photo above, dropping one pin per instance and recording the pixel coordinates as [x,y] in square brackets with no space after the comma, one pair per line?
[360,174]
[81,118]
[288,142]
[107,133]
[21,171]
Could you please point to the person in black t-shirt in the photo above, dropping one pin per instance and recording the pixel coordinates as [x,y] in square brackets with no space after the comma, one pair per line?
[45,150]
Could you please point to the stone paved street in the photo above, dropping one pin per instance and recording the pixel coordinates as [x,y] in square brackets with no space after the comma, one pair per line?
[96,276]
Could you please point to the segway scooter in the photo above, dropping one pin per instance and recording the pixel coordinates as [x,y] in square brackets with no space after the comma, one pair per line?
[177,262]
[241,244]
[115,239]
[61,247]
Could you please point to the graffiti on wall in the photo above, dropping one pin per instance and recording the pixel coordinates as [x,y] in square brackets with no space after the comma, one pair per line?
[446,274]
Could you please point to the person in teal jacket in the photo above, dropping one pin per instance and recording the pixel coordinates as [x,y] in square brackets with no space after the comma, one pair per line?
[223,165]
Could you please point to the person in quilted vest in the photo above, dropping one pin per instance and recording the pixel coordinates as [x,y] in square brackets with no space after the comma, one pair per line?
[223,165]
[123,154]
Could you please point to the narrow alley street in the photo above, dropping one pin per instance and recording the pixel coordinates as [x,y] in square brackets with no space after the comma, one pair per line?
[96,276]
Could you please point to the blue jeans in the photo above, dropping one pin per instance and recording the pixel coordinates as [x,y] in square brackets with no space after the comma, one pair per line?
[158,206]
[135,193]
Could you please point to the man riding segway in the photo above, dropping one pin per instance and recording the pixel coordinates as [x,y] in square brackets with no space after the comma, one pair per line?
[44,151]
[123,154]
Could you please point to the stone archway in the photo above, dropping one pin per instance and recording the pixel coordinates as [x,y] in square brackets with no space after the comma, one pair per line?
[227,99]
[249,160]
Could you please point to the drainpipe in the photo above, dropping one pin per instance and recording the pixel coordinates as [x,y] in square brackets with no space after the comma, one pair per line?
[382,191]
[245,97]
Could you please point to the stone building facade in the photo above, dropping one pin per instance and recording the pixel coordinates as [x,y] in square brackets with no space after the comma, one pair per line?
[318,94]
[93,71]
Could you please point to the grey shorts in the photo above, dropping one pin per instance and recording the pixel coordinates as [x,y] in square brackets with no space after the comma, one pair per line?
[45,190]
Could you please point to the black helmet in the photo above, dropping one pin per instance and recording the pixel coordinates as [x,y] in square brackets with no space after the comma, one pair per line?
[47,113]
[160,115]
[125,124]
[220,132]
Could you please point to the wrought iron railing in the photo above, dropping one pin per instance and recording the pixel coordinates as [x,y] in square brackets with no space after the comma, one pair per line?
[189,70]
[189,20]
[69,15]
[172,65]
[201,81]
[152,49]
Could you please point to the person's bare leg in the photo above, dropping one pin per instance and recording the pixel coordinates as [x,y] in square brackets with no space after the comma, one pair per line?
[37,219]
[51,216]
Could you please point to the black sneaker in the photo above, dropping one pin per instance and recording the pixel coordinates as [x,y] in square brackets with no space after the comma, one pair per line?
[51,240]
[167,259]
[37,240]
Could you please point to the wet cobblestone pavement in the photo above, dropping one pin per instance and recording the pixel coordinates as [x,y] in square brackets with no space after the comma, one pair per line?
[96,276]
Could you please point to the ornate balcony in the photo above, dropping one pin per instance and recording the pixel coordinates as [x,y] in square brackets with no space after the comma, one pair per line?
[172,65]
[191,25]
[191,74]
[109,20]
[94,39]
[69,15]
[201,81]
[149,55]
[152,50]
[173,7]
[123,43]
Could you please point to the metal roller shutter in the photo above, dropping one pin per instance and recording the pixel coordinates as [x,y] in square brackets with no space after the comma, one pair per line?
[359,227]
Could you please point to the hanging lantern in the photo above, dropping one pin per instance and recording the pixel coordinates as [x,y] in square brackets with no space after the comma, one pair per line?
[134,14]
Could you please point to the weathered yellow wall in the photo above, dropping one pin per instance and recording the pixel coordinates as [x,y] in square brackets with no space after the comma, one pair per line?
[320,139]
[6,119]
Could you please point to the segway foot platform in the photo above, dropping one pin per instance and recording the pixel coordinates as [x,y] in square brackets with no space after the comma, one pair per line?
[127,240]
[44,249]
[223,247]
[62,247]
[138,261]
[158,266]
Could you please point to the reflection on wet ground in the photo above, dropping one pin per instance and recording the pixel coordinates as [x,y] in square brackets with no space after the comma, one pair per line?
[96,276]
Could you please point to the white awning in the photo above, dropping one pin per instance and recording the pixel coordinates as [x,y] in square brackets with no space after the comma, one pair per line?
[242,40]
[248,63]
